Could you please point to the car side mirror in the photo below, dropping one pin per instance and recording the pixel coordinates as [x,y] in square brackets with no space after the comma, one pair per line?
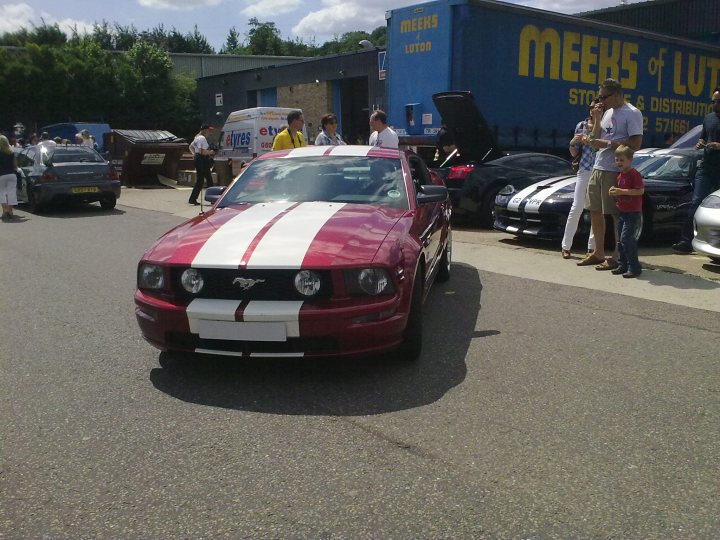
[212,194]
[431,194]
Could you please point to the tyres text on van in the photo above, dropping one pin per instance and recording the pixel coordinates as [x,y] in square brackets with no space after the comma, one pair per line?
[238,139]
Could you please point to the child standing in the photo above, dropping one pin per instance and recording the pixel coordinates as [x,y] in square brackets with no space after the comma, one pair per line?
[628,192]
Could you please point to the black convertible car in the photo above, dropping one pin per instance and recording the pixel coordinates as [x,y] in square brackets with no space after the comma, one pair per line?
[479,170]
[541,210]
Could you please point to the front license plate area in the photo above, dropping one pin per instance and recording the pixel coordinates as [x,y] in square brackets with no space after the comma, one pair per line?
[242,331]
[87,189]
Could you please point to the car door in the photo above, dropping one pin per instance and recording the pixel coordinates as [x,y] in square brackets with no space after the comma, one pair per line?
[430,216]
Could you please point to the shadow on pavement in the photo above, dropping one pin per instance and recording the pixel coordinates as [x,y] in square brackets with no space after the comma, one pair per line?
[71,211]
[338,387]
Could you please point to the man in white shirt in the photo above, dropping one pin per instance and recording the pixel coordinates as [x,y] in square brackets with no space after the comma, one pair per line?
[616,123]
[202,157]
[382,134]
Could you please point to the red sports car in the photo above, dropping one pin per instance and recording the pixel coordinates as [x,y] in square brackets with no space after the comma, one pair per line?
[316,251]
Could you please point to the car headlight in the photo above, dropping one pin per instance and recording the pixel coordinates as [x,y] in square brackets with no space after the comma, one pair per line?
[151,276]
[307,282]
[370,281]
[711,201]
[507,190]
[192,281]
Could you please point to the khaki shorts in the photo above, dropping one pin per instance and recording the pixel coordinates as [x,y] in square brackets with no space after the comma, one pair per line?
[597,198]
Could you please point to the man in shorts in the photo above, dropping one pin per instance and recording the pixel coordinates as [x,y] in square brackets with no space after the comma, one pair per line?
[619,124]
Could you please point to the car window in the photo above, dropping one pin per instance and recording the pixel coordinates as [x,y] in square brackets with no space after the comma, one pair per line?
[667,167]
[74,155]
[419,172]
[549,165]
[350,179]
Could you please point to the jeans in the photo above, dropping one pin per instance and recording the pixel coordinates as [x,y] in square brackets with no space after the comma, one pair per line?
[629,228]
[576,210]
[707,180]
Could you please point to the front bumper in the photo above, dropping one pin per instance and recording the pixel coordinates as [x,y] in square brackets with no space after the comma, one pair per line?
[546,225]
[706,239]
[271,329]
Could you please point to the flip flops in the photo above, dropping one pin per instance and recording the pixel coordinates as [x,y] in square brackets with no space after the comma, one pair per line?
[608,264]
[590,260]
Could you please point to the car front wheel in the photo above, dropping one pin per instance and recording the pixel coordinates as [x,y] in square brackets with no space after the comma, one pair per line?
[444,270]
[411,345]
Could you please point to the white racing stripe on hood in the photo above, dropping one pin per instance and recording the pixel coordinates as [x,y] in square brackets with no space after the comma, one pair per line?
[227,245]
[286,243]
[533,205]
[351,150]
[519,197]
[306,151]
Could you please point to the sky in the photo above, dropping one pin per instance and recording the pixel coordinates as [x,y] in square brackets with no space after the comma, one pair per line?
[315,21]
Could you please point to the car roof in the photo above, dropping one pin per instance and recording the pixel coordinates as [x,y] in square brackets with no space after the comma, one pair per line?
[334,151]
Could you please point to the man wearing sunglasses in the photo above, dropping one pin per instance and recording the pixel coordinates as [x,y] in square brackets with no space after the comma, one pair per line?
[707,178]
[615,123]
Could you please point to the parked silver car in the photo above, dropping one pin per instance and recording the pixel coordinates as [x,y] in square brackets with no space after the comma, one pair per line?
[707,227]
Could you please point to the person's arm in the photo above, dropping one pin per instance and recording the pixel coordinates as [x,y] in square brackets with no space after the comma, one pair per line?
[615,191]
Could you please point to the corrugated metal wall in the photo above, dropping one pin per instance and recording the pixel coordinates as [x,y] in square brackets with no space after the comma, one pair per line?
[206,65]
[691,19]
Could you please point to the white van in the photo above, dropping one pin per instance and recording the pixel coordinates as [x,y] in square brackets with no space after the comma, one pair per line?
[249,133]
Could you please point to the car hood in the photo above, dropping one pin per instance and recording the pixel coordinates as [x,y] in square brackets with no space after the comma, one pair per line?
[281,235]
[473,137]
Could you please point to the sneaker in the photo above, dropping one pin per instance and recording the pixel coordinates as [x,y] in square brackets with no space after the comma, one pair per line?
[630,274]
[619,270]
[683,247]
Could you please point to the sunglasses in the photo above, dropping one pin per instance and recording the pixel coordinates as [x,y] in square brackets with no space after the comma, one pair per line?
[715,101]
[603,98]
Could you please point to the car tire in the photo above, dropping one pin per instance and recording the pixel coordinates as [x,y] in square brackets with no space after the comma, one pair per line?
[443,273]
[33,205]
[485,212]
[411,345]
[108,203]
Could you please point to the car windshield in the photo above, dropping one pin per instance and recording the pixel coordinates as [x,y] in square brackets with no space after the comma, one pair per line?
[667,167]
[350,179]
[73,155]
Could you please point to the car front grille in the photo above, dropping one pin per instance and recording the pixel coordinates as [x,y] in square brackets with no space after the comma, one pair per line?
[270,285]
[305,345]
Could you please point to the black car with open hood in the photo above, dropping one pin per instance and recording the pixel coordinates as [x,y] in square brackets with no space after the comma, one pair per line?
[478,170]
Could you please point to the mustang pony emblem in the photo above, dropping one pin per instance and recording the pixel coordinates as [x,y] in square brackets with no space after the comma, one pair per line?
[245,283]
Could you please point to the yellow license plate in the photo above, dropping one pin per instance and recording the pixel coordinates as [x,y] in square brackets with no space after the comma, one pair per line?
[92,189]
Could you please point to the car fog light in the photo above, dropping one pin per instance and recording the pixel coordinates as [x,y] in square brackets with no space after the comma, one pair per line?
[151,276]
[307,282]
[373,281]
[192,280]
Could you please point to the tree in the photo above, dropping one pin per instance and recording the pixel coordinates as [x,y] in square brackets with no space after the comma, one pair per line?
[232,42]
[264,39]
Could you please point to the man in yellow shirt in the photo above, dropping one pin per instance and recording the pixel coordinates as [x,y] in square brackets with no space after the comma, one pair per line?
[291,137]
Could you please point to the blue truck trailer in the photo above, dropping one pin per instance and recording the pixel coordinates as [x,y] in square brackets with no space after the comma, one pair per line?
[533,73]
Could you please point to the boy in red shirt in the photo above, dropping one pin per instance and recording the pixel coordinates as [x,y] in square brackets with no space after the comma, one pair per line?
[628,192]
